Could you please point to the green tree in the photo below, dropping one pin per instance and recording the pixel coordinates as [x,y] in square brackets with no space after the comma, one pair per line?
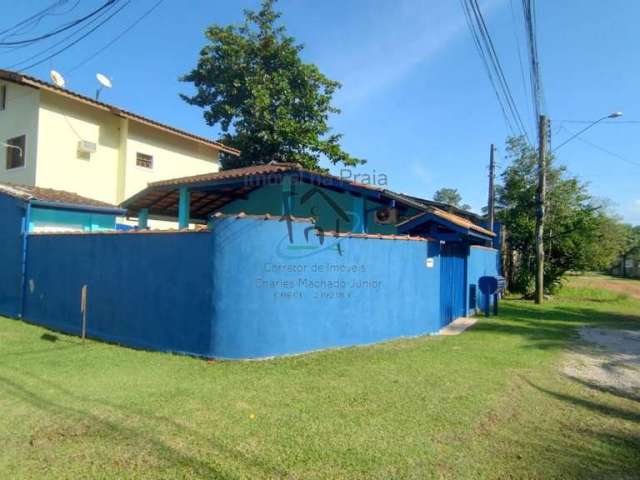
[251,81]
[579,233]
[630,248]
[450,196]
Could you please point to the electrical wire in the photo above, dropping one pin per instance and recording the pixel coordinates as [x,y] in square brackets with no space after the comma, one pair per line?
[64,28]
[498,67]
[602,149]
[35,17]
[537,91]
[485,62]
[525,88]
[66,47]
[30,26]
[61,42]
[116,38]
[488,54]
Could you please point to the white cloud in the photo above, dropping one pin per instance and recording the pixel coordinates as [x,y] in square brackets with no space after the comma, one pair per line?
[422,174]
[398,37]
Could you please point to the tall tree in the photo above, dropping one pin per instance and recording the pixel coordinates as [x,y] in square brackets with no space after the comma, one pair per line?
[271,105]
[450,196]
[579,233]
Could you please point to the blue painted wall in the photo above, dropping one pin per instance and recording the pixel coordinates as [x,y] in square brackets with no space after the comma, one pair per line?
[275,297]
[482,261]
[146,290]
[69,219]
[11,217]
[248,289]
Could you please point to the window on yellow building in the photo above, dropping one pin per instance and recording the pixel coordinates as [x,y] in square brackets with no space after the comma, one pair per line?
[15,152]
[3,97]
[143,160]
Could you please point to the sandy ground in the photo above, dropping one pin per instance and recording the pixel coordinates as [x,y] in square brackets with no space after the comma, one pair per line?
[608,359]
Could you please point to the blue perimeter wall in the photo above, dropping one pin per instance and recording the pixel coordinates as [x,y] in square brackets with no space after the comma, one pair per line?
[273,296]
[251,288]
[145,290]
[11,219]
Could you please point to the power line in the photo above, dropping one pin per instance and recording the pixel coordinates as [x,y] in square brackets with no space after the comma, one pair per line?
[602,149]
[66,47]
[33,23]
[35,17]
[116,38]
[485,62]
[537,91]
[60,29]
[517,40]
[488,54]
[61,42]
[498,68]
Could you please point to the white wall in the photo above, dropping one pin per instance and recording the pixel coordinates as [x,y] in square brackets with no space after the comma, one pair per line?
[172,157]
[54,126]
[20,117]
[63,123]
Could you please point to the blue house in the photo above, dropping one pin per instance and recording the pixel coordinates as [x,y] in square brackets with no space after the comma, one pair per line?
[335,204]
[282,260]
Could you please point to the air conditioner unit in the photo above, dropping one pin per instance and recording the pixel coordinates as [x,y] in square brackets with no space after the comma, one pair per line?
[387,216]
[86,147]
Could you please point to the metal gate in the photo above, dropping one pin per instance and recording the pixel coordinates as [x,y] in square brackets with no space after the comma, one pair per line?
[453,279]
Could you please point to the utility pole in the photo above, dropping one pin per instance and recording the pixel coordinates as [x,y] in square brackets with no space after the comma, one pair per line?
[492,193]
[540,207]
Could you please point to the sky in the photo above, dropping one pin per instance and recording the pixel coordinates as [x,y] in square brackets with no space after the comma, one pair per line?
[415,100]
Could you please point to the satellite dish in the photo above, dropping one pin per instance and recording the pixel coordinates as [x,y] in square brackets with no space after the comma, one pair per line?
[57,78]
[104,80]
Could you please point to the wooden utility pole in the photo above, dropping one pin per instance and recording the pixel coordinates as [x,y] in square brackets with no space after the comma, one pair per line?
[492,193]
[540,210]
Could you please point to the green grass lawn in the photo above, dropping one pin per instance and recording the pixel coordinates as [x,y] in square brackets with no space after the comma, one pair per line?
[490,403]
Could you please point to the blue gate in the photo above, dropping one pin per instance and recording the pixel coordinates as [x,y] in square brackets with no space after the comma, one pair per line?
[453,280]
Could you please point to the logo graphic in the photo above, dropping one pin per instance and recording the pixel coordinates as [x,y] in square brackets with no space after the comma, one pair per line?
[288,245]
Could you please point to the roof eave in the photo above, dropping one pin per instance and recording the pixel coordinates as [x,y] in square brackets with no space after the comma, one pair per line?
[39,85]
[76,206]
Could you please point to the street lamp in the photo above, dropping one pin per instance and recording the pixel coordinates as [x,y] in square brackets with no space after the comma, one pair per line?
[541,194]
[611,115]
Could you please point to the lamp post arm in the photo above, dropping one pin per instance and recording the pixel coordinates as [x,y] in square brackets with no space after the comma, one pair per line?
[581,132]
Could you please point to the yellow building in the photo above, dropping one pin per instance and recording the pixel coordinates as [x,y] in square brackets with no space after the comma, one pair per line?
[60,139]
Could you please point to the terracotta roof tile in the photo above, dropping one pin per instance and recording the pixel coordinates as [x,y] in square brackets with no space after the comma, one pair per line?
[25,192]
[245,172]
[375,236]
[267,216]
[451,217]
